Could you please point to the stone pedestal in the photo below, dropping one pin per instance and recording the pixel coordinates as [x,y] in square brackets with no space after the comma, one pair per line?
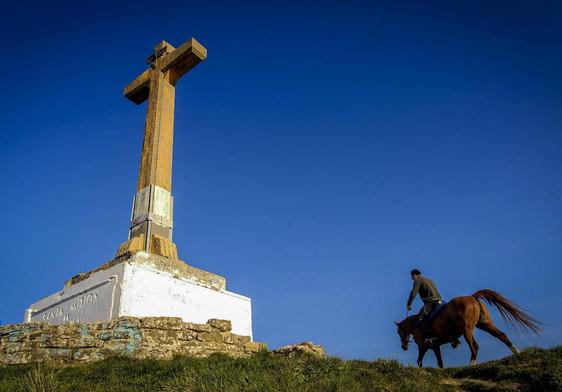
[145,285]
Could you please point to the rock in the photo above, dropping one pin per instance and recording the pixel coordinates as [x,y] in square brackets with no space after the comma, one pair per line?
[197,327]
[174,323]
[254,347]
[221,325]
[307,348]
[210,337]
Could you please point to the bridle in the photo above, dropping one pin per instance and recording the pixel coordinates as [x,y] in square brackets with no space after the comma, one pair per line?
[411,337]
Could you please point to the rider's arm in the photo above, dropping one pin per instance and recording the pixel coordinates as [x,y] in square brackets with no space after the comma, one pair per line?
[414,291]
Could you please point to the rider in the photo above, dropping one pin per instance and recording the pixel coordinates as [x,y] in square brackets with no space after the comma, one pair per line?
[431,300]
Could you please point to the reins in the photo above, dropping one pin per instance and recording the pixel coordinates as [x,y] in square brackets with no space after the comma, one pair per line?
[412,335]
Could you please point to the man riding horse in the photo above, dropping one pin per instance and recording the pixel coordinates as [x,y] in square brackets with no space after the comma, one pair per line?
[431,302]
[459,317]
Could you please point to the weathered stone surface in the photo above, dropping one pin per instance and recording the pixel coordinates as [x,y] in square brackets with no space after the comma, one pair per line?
[301,348]
[254,347]
[164,247]
[174,266]
[210,337]
[198,327]
[174,323]
[150,337]
[221,325]
[132,245]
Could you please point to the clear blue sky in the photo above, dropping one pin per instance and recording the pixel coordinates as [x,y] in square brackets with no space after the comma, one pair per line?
[322,151]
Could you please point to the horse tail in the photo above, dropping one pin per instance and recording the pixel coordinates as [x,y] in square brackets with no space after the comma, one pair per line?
[513,315]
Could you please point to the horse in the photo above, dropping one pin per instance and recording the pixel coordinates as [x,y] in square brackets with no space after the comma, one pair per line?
[459,317]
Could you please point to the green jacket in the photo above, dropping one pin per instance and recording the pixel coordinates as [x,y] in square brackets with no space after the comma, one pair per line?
[426,289]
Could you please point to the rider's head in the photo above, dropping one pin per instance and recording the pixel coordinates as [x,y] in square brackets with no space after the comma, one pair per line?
[415,273]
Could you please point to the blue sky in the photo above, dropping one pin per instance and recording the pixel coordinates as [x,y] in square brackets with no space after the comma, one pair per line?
[321,151]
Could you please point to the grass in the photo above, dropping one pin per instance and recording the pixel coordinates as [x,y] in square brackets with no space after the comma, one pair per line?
[533,370]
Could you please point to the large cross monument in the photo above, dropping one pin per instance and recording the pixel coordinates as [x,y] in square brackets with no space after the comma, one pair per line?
[146,278]
[151,222]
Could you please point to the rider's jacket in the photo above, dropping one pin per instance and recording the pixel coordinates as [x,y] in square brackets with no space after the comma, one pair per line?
[426,289]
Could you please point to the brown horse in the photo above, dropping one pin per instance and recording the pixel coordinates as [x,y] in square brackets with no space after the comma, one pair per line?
[459,317]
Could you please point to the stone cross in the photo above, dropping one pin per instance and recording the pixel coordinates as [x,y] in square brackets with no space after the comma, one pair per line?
[151,220]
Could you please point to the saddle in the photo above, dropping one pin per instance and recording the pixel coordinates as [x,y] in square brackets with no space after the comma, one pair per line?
[438,309]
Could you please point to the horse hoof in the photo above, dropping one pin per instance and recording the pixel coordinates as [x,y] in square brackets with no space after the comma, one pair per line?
[472,363]
[515,350]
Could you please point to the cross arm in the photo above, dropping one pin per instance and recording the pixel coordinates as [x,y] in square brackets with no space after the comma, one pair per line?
[137,90]
[183,58]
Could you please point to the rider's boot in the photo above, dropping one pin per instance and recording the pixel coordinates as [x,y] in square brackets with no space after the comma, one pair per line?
[455,343]
[430,340]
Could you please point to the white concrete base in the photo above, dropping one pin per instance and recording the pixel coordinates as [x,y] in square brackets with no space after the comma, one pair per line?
[133,289]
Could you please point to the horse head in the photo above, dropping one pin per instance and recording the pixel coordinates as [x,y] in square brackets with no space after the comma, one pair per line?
[404,333]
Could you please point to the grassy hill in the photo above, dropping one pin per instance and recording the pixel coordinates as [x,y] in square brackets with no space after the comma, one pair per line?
[533,370]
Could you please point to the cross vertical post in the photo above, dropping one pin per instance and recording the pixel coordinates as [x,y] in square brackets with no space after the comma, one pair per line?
[152,213]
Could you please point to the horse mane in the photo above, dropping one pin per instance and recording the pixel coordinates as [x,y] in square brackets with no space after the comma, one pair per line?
[409,323]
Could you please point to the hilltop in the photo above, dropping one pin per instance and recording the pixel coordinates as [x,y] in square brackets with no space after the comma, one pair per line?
[533,370]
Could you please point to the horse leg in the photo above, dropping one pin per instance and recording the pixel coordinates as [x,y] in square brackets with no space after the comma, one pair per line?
[437,352]
[469,337]
[421,352]
[495,332]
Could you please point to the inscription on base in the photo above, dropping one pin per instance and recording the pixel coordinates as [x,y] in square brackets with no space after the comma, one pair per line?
[92,304]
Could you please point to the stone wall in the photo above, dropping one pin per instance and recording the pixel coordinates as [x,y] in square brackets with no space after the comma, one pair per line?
[149,337]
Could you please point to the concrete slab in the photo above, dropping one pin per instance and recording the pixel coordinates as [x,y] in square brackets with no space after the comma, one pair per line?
[138,289]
